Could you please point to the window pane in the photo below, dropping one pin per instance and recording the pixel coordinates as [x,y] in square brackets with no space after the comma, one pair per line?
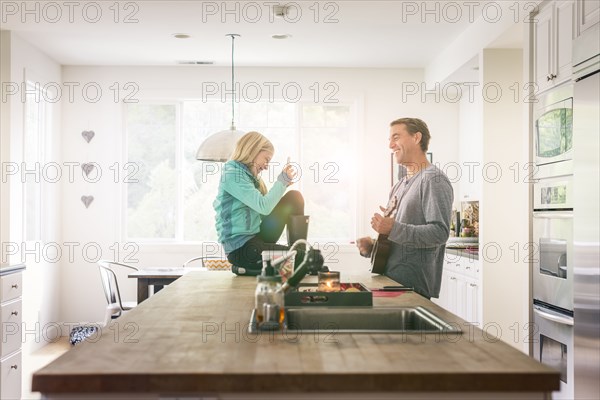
[200,179]
[35,126]
[328,173]
[324,149]
[151,144]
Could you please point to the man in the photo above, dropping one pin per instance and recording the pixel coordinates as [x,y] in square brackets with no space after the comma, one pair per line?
[421,227]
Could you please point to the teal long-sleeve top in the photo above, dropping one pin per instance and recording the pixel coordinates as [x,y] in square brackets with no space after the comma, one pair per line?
[240,205]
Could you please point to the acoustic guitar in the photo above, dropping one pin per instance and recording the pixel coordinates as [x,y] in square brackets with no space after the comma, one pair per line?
[382,246]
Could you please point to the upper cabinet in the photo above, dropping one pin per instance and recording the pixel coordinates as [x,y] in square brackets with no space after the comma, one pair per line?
[554,34]
[588,14]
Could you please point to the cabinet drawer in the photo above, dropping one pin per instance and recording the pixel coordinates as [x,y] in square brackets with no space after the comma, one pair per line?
[11,377]
[11,286]
[10,314]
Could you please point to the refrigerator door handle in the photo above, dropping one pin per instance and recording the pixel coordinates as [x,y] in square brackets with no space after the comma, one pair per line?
[553,317]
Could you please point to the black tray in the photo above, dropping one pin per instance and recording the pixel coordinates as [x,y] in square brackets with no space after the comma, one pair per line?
[307,295]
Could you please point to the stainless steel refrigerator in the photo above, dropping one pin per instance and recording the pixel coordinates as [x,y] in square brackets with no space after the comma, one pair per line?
[586,215]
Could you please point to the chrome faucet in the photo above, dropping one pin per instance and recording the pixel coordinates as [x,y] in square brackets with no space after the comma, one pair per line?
[311,264]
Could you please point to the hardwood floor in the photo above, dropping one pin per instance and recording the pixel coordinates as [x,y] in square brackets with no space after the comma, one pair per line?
[38,359]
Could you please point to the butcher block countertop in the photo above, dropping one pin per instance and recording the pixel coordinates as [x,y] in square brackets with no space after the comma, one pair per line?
[192,337]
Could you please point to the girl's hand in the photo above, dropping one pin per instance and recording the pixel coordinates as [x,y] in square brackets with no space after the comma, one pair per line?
[290,172]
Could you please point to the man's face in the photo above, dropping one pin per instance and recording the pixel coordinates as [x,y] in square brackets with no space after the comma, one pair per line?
[404,145]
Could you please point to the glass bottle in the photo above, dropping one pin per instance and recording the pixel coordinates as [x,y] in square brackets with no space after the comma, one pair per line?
[269,299]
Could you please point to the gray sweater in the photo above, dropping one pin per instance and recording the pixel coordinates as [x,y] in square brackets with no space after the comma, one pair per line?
[420,231]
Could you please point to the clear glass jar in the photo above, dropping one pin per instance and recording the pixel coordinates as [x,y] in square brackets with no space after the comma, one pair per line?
[329,281]
[269,302]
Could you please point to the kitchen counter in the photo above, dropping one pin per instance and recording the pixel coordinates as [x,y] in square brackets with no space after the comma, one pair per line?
[11,268]
[191,339]
[470,254]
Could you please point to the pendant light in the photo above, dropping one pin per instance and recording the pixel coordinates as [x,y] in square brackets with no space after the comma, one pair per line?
[219,146]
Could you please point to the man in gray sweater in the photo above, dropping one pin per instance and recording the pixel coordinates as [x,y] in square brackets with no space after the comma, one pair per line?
[421,227]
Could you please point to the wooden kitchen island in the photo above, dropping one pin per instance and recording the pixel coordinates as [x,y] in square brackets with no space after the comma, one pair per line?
[191,340]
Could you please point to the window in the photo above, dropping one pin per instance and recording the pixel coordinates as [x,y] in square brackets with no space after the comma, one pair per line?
[172,198]
[36,123]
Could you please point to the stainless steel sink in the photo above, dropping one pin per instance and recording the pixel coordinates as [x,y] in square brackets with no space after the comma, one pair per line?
[367,320]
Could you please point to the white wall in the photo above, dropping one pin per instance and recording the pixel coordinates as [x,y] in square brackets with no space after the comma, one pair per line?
[504,209]
[5,47]
[41,282]
[378,91]
[470,138]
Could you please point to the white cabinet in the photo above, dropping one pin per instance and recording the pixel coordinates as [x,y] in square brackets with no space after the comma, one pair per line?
[588,14]
[553,42]
[11,280]
[461,287]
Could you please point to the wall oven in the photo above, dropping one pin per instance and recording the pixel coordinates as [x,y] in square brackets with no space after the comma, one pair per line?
[552,266]
[553,346]
[553,126]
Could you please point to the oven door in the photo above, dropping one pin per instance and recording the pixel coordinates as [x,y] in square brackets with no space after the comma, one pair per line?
[552,261]
[553,346]
[553,130]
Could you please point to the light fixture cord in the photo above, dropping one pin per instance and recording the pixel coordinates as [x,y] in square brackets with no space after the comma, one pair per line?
[232,84]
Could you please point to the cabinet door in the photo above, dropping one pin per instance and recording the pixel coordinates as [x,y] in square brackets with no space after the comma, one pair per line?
[543,47]
[11,287]
[452,293]
[461,293]
[10,377]
[11,317]
[442,300]
[588,14]
[564,35]
[472,301]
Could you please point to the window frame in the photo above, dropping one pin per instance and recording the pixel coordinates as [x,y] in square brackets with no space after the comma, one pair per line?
[42,130]
[354,106]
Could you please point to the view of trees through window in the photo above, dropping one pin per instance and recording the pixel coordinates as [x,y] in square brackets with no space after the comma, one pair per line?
[172,197]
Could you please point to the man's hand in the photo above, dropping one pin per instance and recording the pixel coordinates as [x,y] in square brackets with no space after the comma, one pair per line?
[365,246]
[382,225]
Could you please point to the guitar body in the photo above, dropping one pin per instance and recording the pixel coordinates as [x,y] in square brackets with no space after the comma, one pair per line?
[382,246]
[380,254]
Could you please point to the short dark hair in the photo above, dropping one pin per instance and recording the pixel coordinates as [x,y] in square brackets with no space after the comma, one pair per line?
[414,125]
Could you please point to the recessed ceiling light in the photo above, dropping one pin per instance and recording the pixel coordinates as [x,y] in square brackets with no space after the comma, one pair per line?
[181,35]
[194,62]
[280,11]
[281,36]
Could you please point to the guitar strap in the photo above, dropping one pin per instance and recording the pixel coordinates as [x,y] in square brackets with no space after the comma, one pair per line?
[400,190]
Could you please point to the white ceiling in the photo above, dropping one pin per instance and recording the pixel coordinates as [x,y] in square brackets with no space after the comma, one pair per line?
[366,34]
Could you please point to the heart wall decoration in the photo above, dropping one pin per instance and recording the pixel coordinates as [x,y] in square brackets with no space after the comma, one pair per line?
[87,168]
[87,200]
[88,135]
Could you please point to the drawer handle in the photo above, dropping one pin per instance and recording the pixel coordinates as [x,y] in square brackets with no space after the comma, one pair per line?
[14,366]
[15,286]
[468,267]
[452,278]
[472,284]
[14,313]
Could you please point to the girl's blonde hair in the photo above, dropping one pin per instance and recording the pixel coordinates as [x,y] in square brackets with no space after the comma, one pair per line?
[247,149]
